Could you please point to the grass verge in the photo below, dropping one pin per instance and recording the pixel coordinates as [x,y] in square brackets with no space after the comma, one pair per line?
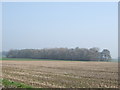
[30,59]
[11,84]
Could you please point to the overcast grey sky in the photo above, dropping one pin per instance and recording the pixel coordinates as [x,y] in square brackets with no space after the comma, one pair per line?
[50,24]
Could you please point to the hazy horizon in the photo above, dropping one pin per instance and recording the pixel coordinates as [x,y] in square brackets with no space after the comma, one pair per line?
[30,25]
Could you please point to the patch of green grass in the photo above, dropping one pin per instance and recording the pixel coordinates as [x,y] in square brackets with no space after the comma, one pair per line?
[21,59]
[30,59]
[9,84]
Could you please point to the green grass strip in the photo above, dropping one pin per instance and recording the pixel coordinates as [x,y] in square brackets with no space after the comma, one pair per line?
[30,59]
[11,84]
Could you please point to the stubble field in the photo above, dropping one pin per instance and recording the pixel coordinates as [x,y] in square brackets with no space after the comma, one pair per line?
[62,74]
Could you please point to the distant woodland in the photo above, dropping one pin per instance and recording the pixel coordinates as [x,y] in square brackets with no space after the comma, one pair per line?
[84,54]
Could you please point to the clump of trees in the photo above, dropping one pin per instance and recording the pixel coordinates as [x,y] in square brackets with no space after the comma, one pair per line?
[62,54]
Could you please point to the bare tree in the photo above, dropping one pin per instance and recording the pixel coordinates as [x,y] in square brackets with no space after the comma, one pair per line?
[105,55]
[62,54]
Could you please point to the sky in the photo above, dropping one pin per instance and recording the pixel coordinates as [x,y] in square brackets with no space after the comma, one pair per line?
[32,25]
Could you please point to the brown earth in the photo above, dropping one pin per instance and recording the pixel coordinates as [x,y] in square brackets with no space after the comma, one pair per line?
[62,74]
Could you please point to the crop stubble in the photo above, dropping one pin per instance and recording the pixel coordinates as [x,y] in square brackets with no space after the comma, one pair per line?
[62,74]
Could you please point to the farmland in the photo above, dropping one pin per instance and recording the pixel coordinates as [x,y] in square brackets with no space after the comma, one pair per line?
[61,74]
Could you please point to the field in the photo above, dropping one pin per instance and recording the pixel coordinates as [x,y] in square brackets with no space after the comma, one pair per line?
[61,74]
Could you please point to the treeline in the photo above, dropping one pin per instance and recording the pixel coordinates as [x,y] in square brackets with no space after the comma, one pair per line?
[62,54]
